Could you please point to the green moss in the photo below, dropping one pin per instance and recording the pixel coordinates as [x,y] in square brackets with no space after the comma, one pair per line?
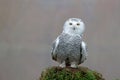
[81,73]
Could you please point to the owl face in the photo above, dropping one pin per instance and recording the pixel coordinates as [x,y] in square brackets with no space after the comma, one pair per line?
[74,26]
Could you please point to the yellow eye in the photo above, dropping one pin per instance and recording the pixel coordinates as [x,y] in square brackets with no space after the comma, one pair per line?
[70,23]
[78,24]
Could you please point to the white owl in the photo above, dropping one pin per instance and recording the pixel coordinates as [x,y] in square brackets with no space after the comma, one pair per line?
[69,49]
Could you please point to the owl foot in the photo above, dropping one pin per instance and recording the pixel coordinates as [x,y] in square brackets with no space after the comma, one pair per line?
[62,65]
[73,65]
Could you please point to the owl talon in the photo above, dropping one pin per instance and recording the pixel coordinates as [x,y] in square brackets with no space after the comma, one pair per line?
[62,65]
[73,65]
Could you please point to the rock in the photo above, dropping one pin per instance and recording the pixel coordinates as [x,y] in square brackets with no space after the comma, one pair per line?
[68,73]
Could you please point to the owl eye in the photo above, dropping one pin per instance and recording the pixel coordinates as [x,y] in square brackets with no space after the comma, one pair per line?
[78,24]
[70,23]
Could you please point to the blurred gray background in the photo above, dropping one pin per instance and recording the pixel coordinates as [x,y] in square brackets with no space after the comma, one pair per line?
[28,27]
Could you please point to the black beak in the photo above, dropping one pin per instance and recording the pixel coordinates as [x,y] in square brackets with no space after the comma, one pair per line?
[73,28]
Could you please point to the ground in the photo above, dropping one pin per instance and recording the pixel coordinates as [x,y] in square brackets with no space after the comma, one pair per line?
[80,73]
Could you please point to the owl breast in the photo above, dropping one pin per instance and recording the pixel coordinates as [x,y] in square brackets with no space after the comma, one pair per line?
[69,47]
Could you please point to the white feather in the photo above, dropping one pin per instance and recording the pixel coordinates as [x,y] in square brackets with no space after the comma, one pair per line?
[84,51]
[84,47]
[56,44]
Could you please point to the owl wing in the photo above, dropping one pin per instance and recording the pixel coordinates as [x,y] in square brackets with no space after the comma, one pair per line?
[54,47]
[83,52]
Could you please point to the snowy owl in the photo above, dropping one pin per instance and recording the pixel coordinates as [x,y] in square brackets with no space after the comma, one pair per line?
[69,49]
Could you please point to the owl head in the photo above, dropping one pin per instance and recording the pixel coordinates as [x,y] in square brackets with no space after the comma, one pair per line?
[74,26]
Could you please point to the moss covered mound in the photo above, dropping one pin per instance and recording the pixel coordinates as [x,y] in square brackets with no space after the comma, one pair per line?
[81,73]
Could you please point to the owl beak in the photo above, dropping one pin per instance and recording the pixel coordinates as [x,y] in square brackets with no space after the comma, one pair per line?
[73,28]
